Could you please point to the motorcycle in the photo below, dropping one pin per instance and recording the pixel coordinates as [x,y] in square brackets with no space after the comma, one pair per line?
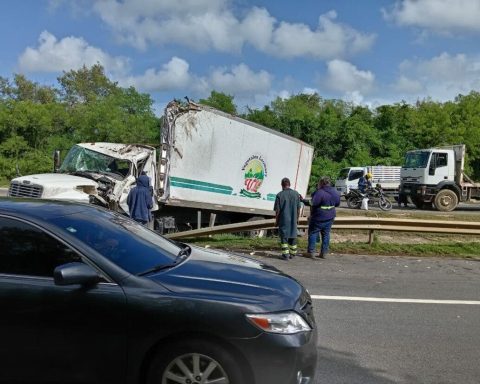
[375,195]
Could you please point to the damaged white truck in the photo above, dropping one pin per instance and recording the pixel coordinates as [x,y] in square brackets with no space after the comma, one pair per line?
[208,162]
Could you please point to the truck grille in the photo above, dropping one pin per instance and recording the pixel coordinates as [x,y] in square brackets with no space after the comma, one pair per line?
[410,179]
[25,190]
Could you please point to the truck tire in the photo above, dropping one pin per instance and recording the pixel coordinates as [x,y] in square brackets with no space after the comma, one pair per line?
[446,200]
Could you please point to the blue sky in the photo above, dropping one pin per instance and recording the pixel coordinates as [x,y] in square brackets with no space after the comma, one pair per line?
[370,52]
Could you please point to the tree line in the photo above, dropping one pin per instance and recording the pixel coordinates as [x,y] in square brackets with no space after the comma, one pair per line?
[86,106]
[344,134]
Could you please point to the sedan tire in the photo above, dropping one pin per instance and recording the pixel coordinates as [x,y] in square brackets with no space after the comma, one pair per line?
[194,362]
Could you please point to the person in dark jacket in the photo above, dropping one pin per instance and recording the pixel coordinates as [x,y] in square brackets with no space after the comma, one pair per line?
[287,209]
[365,182]
[324,201]
[139,200]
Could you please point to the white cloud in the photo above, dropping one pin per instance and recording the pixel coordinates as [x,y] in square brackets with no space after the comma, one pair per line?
[53,55]
[438,15]
[329,40]
[240,79]
[442,77]
[173,75]
[343,76]
[406,85]
[310,91]
[176,75]
[206,25]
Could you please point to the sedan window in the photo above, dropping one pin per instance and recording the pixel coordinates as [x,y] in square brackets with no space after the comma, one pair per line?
[27,250]
[123,241]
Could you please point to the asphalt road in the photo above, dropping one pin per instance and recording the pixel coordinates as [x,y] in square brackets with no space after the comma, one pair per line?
[362,342]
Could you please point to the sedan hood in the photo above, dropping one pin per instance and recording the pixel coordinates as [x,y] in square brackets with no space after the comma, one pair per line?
[234,277]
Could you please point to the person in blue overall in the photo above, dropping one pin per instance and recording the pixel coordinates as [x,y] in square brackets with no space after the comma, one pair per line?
[323,213]
[139,200]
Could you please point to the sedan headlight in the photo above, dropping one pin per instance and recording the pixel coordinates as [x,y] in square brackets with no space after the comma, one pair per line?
[285,323]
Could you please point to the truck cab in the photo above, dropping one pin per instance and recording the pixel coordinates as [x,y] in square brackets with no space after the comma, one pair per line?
[100,173]
[348,179]
[434,176]
[386,175]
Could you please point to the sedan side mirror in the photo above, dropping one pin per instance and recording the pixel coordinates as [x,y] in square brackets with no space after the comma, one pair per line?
[75,273]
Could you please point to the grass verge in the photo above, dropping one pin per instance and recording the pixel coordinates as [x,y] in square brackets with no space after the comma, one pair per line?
[446,248]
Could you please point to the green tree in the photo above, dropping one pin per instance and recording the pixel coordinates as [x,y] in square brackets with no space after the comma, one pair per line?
[220,101]
[86,85]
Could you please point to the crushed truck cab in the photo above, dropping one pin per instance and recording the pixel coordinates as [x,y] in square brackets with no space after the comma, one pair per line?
[100,173]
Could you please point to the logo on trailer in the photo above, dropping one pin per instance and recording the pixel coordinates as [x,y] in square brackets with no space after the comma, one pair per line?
[255,171]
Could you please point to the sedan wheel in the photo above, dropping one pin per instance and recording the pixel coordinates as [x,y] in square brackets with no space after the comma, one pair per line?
[194,368]
[196,362]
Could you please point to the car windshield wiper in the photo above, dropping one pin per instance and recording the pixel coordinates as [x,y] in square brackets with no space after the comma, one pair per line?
[157,268]
[183,253]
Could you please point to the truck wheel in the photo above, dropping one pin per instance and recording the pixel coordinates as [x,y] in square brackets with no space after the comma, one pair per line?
[446,200]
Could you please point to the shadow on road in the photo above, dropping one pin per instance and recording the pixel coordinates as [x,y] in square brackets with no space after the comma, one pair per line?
[336,367]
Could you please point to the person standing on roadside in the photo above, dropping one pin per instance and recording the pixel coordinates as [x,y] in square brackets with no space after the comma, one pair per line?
[139,200]
[324,201]
[287,210]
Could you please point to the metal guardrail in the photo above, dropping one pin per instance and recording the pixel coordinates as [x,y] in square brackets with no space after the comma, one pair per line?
[370,224]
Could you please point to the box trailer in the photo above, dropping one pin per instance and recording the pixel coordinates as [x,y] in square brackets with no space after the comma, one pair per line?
[208,163]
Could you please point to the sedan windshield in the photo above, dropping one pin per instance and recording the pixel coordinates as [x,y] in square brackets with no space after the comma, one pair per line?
[417,159]
[81,159]
[121,240]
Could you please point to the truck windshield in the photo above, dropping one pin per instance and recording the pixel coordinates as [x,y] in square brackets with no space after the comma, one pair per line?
[343,174]
[81,159]
[417,159]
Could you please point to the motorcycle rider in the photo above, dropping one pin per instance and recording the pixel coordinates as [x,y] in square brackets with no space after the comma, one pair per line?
[365,182]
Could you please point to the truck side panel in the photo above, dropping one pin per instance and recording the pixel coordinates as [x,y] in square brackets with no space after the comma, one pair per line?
[219,160]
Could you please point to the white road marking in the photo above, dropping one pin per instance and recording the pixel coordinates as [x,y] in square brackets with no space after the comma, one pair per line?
[392,300]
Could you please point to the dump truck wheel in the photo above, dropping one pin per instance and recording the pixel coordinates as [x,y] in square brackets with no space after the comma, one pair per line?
[446,200]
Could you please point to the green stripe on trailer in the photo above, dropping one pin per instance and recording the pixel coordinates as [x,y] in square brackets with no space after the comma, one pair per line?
[271,197]
[200,185]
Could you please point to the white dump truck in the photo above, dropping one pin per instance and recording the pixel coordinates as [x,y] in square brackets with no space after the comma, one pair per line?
[387,176]
[435,176]
[208,162]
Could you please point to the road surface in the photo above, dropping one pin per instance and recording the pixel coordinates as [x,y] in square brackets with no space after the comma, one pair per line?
[422,327]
